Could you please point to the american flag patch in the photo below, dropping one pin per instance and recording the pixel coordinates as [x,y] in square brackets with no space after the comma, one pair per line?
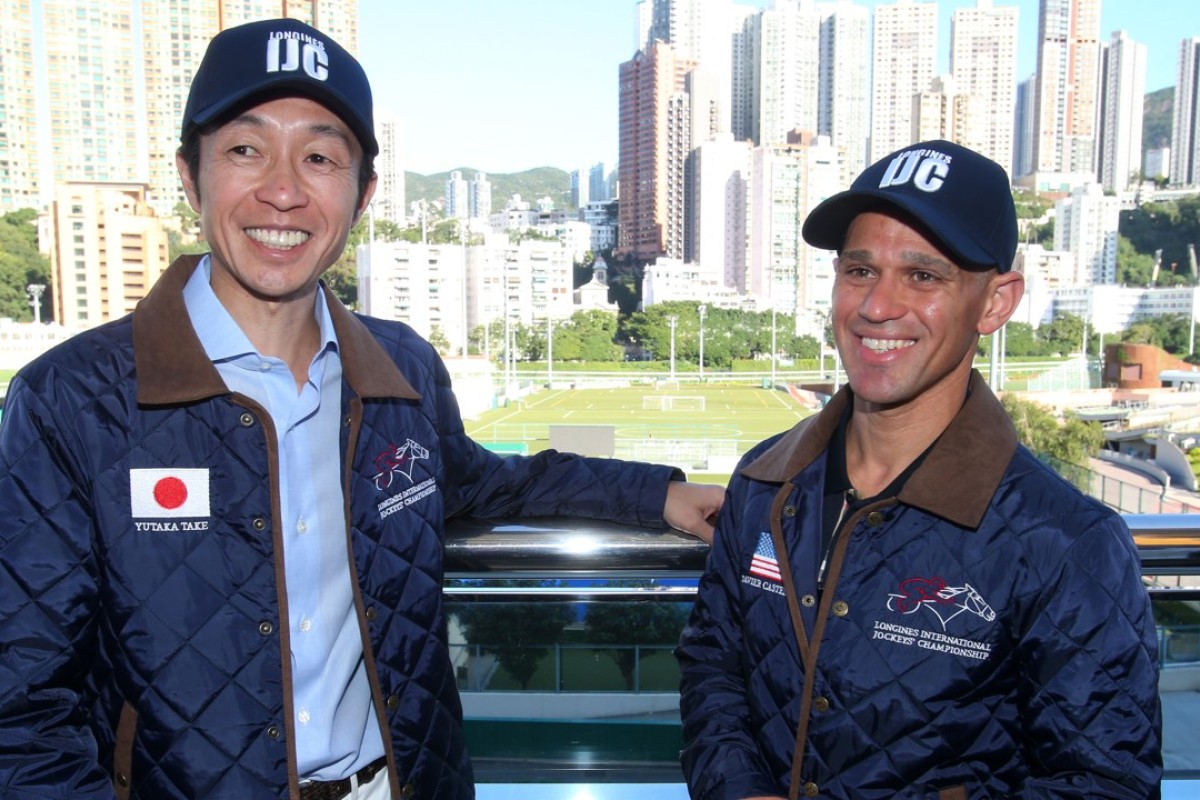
[764,564]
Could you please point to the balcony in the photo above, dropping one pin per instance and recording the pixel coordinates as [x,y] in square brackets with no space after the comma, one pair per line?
[581,718]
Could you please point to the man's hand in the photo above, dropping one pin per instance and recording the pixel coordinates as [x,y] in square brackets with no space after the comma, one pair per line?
[692,508]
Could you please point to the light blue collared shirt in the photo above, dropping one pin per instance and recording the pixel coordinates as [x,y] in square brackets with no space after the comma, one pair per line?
[337,732]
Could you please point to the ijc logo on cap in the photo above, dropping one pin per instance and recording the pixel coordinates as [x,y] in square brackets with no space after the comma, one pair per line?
[287,53]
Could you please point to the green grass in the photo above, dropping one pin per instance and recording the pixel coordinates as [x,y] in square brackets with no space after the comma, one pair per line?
[734,419]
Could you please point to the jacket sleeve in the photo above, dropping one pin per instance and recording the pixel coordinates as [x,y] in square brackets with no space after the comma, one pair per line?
[48,601]
[1089,683]
[488,486]
[720,756]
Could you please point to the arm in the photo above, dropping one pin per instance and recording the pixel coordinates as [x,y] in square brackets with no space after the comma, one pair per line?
[720,757]
[48,609]
[1089,688]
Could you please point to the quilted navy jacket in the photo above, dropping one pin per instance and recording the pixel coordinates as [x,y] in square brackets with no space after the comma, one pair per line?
[146,655]
[984,634]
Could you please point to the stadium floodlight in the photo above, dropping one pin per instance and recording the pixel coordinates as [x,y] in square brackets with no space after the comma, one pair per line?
[702,310]
[672,321]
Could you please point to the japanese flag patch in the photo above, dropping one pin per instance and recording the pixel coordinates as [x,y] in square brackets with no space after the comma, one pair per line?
[159,493]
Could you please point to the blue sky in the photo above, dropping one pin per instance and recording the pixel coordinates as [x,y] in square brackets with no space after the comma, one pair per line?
[506,85]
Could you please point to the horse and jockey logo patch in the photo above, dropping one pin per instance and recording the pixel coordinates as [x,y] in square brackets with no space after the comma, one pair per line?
[401,460]
[919,601]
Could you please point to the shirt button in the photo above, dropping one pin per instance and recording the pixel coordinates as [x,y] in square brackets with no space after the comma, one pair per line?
[305,624]
[811,789]
[821,704]
[266,628]
[264,366]
[273,732]
[808,601]
[247,419]
[302,526]
[875,518]
[393,702]
[841,608]
[303,717]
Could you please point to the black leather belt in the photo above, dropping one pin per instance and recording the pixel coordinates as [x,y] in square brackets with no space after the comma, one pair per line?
[336,790]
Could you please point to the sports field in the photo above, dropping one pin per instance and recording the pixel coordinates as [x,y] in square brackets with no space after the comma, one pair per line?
[700,428]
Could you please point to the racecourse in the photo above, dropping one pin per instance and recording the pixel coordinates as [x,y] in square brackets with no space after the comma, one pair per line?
[705,442]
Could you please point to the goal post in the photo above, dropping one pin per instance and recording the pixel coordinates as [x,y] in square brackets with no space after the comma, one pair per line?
[667,402]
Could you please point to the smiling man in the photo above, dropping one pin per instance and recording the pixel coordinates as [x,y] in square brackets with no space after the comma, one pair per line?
[902,601]
[221,562]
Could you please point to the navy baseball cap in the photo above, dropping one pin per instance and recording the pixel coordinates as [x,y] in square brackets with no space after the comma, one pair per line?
[281,57]
[962,199]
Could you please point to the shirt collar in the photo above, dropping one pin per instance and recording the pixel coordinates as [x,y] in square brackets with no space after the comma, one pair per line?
[220,335]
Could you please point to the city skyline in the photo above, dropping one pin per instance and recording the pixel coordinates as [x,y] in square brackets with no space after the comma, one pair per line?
[549,98]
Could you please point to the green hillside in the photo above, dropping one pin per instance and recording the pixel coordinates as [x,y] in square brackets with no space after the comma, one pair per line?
[532,185]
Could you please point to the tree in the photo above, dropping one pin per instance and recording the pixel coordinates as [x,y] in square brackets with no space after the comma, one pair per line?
[627,624]
[1064,334]
[21,264]
[437,338]
[518,634]
[1133,268]
[1073,441]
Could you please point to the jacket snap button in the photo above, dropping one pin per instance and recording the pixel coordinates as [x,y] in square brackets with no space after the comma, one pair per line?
[266,628]
[259,524]
[811,789]
[808,601]
[874,519]
[789,511]
[841,608]
[393,702]
[247,419]
[408,792]
[122,779]
[821,704]
[371,614]
[346,421]
[273,732]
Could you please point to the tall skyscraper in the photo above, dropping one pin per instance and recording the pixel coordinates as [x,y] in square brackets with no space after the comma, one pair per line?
[481,196]
[983,61]
[745,39]
[1067,80]
[457,201]
[845,81]
[390,201]
[1122,97]
[721,181]
[18,109]
[789,91]
[902,67]
[1185,125]
[1023,127]
[654,143]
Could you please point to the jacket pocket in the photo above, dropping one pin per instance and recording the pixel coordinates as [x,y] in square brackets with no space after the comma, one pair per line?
[123,753]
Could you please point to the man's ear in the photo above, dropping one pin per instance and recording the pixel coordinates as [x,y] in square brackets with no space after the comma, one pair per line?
[189,184]
[1005,291]
[365,200]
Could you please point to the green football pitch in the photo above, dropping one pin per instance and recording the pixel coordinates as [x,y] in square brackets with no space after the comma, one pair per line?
[703,429]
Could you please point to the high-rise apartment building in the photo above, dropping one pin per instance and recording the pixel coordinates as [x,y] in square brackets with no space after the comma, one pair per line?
[390,201]
[1086,226]
[845,81]
[598,184]
[983,62]
[480,203]
[107,248]
[1068,64]
[745,39]
[720,191]
[1023,127]
[18,109]
[942,111]
[457,202]
[790,90]
[1185,125]
[905,49]
[655,122]
[1122,97]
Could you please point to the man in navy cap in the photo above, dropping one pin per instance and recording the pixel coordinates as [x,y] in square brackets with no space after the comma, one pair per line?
[221,563]
[902,601]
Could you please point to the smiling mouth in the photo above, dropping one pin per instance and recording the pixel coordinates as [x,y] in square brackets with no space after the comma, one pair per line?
[280,240]
[884,345]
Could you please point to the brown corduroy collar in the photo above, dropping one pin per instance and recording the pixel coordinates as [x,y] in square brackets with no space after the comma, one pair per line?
[173,368]
[955,482]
